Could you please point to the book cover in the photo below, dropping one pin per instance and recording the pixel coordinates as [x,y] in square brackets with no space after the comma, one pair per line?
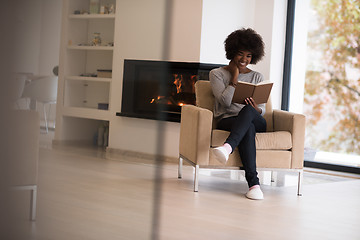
[259,92]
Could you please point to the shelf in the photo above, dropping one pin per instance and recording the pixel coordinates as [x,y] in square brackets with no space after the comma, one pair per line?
[89,113]
[82,96]
[95,79]
[101,48]
[92,16]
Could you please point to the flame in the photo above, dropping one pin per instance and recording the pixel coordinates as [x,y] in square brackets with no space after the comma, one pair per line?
[178,82]
[185,83]
[193,80]
[157,99]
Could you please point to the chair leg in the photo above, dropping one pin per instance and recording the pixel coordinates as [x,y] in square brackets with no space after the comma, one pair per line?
[48,113]
[273,178]
[33,203]
[46,123]
[300,179]
[196,180]
[180,167]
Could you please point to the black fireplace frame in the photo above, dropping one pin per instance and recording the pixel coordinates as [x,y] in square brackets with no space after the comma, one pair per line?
[131,69]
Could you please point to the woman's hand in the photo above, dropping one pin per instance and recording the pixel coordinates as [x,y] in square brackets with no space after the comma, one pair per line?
[234,71]
[250,101]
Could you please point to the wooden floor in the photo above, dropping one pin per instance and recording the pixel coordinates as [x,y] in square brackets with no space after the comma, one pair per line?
[85,194]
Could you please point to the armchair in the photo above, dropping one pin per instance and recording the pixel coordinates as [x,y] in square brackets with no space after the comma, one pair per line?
[280,148]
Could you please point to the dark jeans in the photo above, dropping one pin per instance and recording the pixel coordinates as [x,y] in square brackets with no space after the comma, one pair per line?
[243,128]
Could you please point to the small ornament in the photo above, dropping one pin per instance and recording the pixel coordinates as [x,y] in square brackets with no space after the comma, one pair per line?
[97,39]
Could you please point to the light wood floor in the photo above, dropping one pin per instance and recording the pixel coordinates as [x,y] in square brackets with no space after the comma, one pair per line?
[85,194]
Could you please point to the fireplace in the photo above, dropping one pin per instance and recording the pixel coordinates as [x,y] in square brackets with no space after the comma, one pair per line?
[158,89]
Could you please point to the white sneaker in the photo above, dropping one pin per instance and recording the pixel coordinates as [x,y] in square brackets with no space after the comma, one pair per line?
[255,194]
[221,154]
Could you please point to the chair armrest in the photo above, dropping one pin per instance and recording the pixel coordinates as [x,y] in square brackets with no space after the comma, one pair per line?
[295,124]
[195,134]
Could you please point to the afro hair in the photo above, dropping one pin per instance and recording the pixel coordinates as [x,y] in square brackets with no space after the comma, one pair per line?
[245,40]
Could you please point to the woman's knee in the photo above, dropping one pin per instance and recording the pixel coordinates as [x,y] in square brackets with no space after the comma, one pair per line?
[247,110]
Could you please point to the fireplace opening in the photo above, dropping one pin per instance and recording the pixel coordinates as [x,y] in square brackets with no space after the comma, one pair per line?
[158,89]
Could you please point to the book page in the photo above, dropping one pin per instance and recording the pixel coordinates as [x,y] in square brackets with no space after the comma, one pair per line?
[263,82]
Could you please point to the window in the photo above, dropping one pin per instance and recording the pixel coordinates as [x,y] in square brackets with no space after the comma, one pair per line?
[325,80]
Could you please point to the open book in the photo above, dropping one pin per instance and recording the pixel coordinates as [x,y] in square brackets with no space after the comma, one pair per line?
[259,92]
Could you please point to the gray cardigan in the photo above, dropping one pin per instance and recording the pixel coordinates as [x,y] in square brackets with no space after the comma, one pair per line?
[223,92]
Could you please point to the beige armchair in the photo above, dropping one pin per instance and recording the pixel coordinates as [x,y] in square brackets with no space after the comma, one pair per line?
[280,148]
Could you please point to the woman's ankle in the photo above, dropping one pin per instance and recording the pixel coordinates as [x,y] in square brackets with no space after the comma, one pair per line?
[228,148]
[255,186]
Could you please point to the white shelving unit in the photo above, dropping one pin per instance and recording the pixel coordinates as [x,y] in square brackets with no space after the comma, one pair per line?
[91,48]
[83,95]
[96,79]
[92,16]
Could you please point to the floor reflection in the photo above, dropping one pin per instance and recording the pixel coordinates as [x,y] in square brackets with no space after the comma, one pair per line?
[281,178]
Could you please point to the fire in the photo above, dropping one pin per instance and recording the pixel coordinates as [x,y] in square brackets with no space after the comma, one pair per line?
[178,82]
[193,80]
[184,87]
[157,99]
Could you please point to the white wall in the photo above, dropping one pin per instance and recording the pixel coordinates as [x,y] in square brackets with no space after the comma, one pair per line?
[263,24]
[27,36]
[299,57]
[219,19]
[185,31]
[48,56]
[267,17]
[278,50]
[141,36]
[49,36]
[37,36]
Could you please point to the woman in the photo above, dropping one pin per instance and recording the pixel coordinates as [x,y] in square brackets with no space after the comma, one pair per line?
[243,47]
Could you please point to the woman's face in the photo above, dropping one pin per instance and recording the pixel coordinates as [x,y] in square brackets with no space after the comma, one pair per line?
[242,59]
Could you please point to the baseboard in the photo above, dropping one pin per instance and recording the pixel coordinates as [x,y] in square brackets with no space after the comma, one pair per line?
[79,143]
[332,167]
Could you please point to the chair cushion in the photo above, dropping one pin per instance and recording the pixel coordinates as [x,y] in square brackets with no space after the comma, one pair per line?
[280,140]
